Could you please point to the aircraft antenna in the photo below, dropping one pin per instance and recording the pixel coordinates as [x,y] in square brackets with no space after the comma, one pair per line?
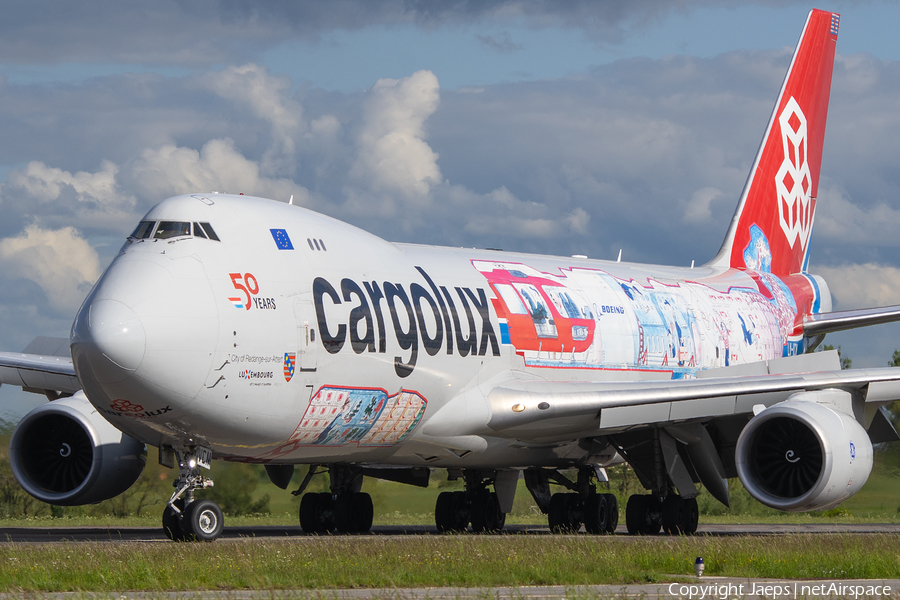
[291,201]
[620,256]
[692,264]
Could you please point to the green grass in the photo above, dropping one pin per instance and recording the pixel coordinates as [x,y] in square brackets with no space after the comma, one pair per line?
[465,561]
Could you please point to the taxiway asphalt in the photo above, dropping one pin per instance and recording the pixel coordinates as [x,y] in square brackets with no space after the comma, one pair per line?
[150,534]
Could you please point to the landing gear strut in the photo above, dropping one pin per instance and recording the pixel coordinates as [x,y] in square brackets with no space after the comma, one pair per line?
[477,505]
[186,518]
[343,510]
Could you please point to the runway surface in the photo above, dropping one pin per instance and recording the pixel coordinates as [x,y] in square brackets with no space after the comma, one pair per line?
[150,534]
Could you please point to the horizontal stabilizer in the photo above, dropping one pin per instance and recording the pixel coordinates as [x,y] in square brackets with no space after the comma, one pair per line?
[849,319]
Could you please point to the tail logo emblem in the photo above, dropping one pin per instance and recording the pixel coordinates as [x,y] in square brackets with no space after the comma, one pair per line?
[793,180]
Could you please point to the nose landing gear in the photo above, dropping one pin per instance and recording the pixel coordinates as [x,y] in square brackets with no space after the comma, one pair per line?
[186,518]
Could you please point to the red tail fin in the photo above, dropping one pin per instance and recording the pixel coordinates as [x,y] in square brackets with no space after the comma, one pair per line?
[774,219]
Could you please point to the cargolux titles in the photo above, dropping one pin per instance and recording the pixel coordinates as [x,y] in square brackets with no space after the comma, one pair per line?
[447,307]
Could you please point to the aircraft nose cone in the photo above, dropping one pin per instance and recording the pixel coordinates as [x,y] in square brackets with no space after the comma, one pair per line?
[114,337]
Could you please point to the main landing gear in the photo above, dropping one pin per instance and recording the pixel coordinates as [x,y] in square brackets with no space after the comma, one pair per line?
[343,510]
[645,514]
[582,505]
[186,518]
[477,505]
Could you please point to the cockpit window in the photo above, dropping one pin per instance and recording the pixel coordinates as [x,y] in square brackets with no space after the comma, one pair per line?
[209,232]
[143,230]
[170,229]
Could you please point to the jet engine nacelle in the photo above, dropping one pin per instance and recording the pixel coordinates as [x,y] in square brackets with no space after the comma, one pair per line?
[65,453]
[802,455]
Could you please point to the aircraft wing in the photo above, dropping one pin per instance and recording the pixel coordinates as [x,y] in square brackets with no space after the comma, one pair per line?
[44,366]
[541,410]
[849,319]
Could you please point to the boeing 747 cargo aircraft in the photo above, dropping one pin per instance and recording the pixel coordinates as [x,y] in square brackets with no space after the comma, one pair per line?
[238,328]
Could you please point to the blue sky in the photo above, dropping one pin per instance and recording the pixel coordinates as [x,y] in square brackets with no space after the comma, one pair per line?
[600,125]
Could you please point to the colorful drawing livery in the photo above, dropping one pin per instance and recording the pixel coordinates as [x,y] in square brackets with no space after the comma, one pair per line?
[531,365]
[367,417]
[590,319]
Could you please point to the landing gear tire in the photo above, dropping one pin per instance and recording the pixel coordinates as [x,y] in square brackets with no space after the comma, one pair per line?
[564,514]
[485,513]
[203,521]
[691,516]
[642,515]
[612,511]
[451,514]
[171,522]
[596,514]
[353,513]
[634,511]
[673,514]
[317,513]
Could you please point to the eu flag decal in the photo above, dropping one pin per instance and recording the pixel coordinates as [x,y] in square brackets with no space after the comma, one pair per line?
[281,239]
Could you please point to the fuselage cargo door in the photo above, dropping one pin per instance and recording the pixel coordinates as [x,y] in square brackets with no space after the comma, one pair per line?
[304,313]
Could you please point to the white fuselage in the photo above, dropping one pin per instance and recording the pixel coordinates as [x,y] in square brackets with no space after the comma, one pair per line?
[299,338]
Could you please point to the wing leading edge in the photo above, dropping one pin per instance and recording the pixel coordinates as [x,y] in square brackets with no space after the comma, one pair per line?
[44,367]
[540,410]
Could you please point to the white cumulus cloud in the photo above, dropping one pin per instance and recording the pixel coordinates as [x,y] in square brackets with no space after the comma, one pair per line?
[839,219]
[698,208]
[54,197]
[862,286]
[172,170]
[60,261]
[393,155]
[269,99]
[48,183]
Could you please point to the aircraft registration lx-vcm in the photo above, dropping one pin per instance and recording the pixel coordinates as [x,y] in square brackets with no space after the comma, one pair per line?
[245,329]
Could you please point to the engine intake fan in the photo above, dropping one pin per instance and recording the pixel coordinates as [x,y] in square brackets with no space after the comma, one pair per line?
[65,453]
[804,453]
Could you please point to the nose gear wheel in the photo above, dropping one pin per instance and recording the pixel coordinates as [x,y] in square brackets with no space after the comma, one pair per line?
[186,518]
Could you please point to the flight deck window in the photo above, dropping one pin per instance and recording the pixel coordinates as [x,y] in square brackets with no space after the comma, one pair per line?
[198,231]
[170,229]
[143,230]
[209,232]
